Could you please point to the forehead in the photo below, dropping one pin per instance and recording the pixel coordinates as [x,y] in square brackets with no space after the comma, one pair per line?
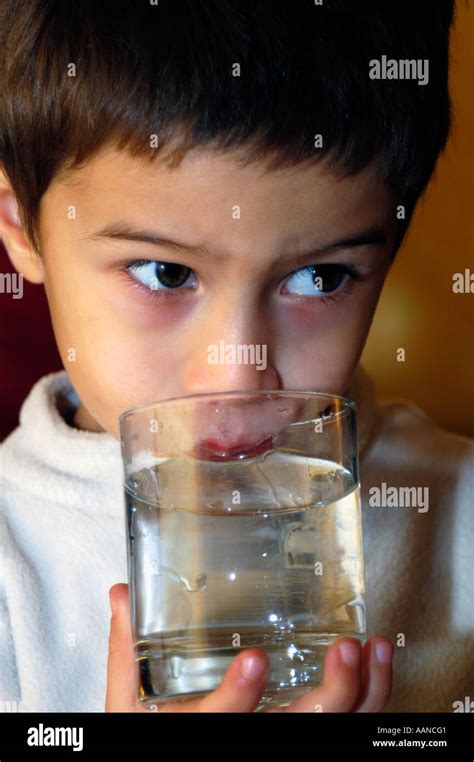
[210,190]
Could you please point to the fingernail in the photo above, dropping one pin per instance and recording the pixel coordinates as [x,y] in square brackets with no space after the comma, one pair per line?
[349,654]
[253,668]
[383,653]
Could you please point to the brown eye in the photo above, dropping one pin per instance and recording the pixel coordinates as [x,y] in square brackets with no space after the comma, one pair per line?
[318,280]
[327,278]
[161,276]
[171,275]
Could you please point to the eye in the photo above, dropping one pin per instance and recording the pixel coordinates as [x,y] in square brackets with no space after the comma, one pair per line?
[319,280]
[161,276]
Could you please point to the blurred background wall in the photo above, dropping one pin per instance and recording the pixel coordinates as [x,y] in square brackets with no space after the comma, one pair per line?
[418,309]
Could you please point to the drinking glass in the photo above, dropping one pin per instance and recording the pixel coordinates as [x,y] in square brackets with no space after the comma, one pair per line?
[243,530]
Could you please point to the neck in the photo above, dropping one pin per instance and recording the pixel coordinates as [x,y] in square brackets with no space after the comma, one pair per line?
[83,420]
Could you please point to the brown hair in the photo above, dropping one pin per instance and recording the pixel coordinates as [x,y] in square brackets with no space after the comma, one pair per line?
[263,76]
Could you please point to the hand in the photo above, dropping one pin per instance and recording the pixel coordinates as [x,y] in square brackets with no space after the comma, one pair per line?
[355,679]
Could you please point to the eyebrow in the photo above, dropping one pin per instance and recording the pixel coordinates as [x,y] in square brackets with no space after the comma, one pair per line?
[374,236]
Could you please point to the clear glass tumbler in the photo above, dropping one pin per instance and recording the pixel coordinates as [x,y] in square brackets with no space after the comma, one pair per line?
[244,530]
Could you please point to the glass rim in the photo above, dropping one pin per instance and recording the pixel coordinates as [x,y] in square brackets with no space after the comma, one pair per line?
[348,403]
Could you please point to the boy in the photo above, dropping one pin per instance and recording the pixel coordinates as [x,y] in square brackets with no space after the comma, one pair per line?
[178,174]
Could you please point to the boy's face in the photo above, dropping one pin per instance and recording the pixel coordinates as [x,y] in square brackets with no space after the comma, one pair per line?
[243,233]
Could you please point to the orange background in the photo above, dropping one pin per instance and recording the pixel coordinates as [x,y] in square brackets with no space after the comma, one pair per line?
[418,309]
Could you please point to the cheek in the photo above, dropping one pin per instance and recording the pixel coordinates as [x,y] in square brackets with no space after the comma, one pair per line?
[124,370]
[320,346]
[147,313]
[116,358]
[114,375]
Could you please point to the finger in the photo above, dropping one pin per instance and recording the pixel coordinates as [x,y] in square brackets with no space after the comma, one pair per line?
[240,690]
[121,683]
[341,681]
[242,685]
[376,675]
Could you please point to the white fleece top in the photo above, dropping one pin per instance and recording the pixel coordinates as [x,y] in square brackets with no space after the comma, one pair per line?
[63,545]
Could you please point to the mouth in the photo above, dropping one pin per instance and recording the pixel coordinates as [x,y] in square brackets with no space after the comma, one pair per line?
[209,449]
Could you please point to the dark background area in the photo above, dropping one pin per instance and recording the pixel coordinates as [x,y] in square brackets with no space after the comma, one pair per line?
[27,346]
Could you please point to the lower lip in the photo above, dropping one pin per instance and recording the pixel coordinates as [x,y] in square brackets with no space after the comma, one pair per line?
[212,450]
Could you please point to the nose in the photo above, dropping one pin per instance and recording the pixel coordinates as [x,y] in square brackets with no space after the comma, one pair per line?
[230,351]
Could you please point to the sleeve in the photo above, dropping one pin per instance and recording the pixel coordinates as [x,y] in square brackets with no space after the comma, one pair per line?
[10,699]
[10,695]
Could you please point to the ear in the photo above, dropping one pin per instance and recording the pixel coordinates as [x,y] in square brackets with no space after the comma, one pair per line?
[22,255]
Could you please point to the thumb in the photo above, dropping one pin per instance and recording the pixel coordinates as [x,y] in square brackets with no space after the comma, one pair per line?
[121,683]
